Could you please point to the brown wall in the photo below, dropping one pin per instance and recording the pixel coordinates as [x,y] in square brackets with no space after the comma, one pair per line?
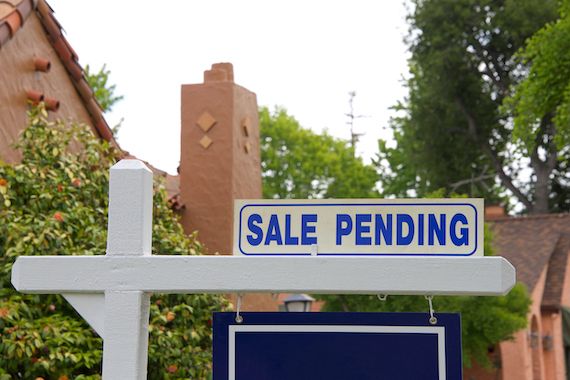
[565,296]
[528,362]
[212,176]
[220,161]
[206,179]
[517,355]
[477,372]
[17,75]
[554,361]
[520,361]
[247,157]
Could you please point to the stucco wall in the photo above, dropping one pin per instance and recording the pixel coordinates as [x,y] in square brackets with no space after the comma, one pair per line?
[206,173]
[517,362]
[17,75]
[553,346]
[220,161]
[565,298]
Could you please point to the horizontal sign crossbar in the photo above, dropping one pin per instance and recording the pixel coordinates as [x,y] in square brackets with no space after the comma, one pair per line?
[228,274]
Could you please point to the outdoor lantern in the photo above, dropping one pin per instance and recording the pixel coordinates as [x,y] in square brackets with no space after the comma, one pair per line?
[534,339]
[548,342]
[298,302]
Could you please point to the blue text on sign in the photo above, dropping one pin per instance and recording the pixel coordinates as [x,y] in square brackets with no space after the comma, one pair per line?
[366,229]
[424,227]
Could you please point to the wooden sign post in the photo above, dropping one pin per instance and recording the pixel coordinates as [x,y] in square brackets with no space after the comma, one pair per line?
[112,291]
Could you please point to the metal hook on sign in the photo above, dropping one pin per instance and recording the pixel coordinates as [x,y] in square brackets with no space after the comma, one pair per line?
[382,297]
[314,250]
[432,318]
[239,318]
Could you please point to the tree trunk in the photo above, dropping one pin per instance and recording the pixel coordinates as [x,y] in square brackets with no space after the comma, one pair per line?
[497,162]
[541,191]
[543,168]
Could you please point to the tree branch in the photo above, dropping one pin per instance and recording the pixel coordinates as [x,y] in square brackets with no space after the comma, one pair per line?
[547,129]
[481,178]
[492,67]
[506,180]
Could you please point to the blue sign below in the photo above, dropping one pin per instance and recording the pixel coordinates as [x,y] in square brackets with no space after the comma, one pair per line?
[363,346]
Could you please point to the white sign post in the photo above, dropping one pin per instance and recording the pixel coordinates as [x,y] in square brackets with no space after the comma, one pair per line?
[112,291]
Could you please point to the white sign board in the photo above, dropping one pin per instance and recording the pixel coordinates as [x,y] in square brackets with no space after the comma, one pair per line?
[375,227]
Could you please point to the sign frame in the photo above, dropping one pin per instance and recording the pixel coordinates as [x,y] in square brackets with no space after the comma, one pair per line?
[226,330]
[280,207]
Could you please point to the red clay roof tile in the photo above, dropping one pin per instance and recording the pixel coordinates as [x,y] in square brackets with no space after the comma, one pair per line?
[76,71]
[13,14]
[24,8]
[84,89]
[14,21]
[6,7]
[5,33]
[69,59]
[14,3]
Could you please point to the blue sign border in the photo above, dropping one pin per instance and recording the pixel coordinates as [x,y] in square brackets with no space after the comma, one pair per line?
[451,323]
[358,204]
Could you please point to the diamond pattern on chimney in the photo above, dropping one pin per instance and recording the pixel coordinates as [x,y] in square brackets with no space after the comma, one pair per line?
[205,142]
[206,121]
[246,125]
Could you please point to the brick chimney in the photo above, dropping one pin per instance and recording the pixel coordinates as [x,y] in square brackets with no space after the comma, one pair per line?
[220,160]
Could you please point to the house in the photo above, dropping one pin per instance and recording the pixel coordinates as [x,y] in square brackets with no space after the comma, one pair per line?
[220,156]
[538,246]
[37,63]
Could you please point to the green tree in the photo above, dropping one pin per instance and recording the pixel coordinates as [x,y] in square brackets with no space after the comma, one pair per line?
[540,104]
[103,91]
[298,163]
[451,132]
[485,321]
[55,203]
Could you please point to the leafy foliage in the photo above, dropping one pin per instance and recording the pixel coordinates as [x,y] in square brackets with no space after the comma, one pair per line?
[431,151]
[542,99]
[298,163]
[485,321]
[452,132]
[103,91]
[55,203]
[546,89]
[40,341]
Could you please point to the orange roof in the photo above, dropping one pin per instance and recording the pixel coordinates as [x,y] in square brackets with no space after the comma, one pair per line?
[531,243]
[13,14]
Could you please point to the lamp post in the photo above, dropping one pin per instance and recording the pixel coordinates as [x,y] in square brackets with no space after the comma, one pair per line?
[298,303]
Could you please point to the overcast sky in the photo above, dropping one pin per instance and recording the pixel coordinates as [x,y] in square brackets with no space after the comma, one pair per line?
[303,55]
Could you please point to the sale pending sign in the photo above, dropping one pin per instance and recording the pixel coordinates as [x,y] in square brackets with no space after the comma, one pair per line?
[383,227]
